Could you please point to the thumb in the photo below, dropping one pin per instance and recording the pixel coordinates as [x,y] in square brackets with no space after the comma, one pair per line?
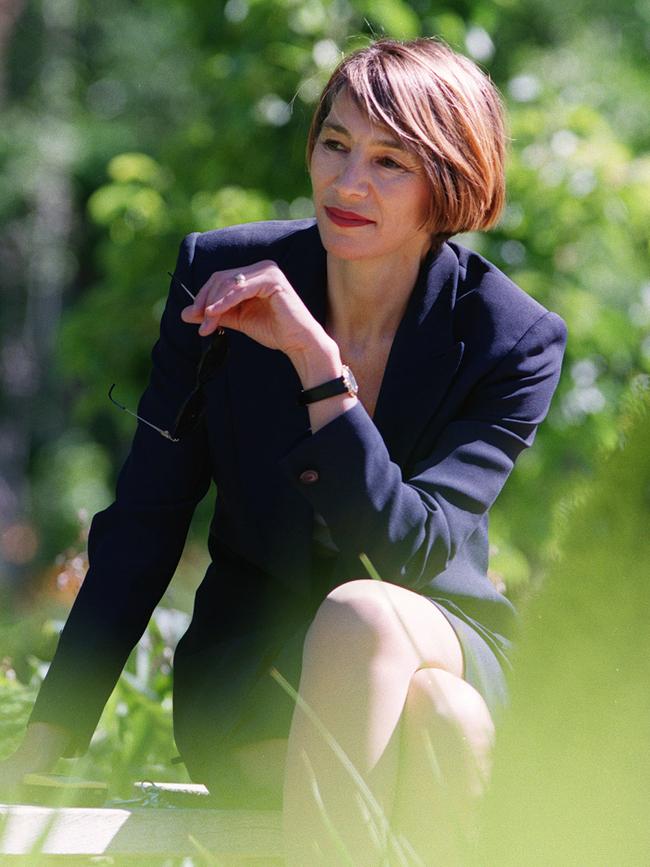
[192,313]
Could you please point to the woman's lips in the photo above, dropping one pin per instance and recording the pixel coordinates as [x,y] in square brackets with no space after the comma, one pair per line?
[346,218]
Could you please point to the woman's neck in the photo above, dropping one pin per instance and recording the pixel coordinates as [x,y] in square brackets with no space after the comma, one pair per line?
[367,299]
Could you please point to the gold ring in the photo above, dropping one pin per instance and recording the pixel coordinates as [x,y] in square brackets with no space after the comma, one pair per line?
[240,279]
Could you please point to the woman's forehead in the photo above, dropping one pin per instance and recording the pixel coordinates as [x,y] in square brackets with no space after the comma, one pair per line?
[349,119]
[345,114]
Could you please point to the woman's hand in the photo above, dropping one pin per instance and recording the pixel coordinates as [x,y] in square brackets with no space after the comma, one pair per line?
[42,746]
[262,304]
[259,301]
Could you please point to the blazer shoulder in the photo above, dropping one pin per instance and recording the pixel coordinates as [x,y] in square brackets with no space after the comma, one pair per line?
[487,299]
[253,241]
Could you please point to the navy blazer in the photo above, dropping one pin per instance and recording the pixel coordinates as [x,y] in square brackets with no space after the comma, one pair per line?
[470,376]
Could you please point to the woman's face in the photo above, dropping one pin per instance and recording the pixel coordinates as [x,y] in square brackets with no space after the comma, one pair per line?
[371,195]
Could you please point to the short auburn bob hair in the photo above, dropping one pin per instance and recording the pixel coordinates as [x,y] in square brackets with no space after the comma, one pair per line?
[441,107]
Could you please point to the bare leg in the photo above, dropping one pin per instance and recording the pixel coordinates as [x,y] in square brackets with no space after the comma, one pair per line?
[446,739]
[366,642]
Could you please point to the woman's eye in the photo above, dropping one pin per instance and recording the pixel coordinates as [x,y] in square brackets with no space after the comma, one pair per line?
[332,144]
[389,163]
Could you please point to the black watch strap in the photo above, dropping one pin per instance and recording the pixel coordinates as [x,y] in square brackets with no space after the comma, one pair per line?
[341,385]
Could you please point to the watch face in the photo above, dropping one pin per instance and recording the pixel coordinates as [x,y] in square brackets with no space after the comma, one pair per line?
[349,381]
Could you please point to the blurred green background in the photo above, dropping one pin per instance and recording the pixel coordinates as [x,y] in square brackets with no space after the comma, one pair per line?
[124,126]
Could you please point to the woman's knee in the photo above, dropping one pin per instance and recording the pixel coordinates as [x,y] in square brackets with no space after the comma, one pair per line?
[438,701]
[445,742]
[363,611]
[351,618]
[367,617]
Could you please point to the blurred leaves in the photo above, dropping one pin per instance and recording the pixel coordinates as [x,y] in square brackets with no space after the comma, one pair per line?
[70,476]
[134,737]
[572,770]
[195,117]
[134,124]
[15,707]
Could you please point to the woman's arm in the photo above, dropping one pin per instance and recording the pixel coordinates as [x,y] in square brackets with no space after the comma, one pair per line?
[412,528]
[135,544]
[259,301]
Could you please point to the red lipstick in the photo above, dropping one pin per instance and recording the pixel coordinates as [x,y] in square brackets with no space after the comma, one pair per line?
[346,218]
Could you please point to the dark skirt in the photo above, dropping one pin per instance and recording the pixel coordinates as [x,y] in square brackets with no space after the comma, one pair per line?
[226,697]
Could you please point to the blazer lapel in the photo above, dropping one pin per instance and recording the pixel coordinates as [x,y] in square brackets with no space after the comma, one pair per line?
[423,359]
[305,265]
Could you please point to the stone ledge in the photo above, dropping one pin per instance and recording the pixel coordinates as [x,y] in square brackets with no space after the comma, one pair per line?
[145,831]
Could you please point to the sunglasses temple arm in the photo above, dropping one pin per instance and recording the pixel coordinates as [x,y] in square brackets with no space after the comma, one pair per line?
[174,277]
[164,433]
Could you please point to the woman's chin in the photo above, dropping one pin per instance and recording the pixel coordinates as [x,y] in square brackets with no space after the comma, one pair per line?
[348,248]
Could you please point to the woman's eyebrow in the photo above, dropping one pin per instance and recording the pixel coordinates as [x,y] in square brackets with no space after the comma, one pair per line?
[393,143]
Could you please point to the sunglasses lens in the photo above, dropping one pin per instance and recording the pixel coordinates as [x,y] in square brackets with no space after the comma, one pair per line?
[213,358]
[191,411]
[189,415]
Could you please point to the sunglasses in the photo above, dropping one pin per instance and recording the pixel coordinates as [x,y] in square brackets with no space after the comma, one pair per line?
[191,412]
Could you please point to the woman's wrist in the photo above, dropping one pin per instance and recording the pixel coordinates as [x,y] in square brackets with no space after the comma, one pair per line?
[318,363]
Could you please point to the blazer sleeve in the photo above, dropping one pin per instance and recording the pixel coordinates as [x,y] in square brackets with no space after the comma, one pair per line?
[412,528]
[134,545]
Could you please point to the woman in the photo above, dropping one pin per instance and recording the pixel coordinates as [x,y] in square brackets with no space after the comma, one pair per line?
[455,368]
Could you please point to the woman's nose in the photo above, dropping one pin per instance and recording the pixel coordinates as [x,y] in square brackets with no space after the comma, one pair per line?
[352,180]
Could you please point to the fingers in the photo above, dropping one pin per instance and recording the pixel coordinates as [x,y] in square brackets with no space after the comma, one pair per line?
[227,296]
[195,311]
[224,290]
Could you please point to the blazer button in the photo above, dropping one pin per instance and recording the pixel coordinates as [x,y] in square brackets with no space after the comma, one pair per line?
[308,477]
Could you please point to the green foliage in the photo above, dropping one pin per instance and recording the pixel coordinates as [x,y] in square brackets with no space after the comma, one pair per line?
[155,120]
[16,702]
[70,479]
[134,738]
[572,772]
[195,117]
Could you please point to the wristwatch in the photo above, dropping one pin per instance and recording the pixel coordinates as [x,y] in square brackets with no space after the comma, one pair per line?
[342,384]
